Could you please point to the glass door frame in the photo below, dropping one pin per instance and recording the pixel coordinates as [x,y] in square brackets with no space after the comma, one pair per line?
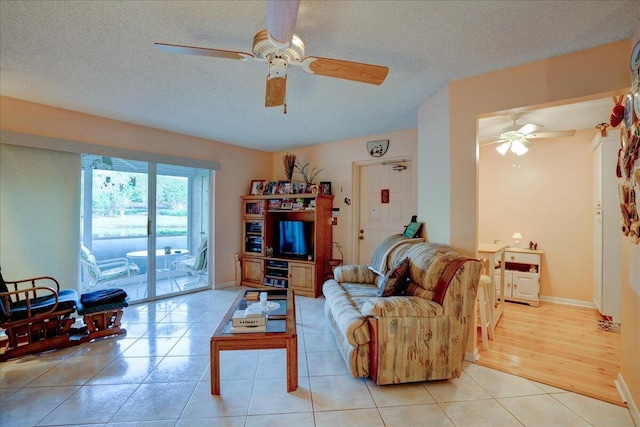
[205,223]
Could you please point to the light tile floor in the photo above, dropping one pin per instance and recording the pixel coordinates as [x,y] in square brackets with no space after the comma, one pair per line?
[158,375]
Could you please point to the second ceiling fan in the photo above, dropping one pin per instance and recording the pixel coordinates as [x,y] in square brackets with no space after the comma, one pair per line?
[279,47]
[517,138]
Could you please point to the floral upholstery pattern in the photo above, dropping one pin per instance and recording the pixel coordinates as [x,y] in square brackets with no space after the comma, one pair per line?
[410,338]
[354,274]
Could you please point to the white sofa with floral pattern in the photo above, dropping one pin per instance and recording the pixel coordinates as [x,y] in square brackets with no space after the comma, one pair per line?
[418,336]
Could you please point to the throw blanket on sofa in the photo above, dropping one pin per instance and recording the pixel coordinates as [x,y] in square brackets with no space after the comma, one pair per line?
[379,260]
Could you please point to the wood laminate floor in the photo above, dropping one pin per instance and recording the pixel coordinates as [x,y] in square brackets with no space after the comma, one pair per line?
[558,345]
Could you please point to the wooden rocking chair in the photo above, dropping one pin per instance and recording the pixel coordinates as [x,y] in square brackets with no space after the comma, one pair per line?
[36,316]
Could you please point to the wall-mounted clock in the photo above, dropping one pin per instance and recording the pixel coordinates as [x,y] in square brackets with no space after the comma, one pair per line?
[377,148]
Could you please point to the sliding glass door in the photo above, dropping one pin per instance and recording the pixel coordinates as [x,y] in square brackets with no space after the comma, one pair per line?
[149,249]
[181,228]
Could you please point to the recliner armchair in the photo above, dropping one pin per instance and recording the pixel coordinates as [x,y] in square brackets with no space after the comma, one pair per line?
[417,335]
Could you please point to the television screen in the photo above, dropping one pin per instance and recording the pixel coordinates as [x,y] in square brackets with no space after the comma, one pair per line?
[294,238]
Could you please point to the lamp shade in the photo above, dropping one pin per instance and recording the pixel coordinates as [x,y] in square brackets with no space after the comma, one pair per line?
[516,235]
[518,147]
[502,148]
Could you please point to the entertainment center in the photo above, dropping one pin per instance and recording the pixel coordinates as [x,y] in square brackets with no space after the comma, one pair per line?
[286,241]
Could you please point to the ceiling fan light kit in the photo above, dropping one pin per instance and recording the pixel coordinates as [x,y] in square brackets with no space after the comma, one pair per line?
[279,47]
[517,138]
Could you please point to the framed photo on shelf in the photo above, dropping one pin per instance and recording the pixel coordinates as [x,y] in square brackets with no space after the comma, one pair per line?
[301,187]
[325,188]
[282,187]
[269,188]
[313,189]
[256,187]
[286,205]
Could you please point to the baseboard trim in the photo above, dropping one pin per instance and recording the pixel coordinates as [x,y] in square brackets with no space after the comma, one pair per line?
[472,357]
[224,285]
[567,301]
[625,395]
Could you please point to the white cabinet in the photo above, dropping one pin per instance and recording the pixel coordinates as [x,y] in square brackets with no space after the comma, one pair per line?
[606,226]
[521,276]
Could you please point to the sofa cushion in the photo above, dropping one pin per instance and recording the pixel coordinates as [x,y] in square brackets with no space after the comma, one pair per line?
[427,263]
[395,281]
[345,301]
[401,306]
[354,274]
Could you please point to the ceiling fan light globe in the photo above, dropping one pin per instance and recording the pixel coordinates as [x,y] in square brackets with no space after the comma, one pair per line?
[518,148]
[503,148]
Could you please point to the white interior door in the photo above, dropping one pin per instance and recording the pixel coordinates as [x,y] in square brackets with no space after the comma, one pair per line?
[379,216]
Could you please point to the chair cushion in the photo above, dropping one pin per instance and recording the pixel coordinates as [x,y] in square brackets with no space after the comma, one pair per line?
[104,296]
[201,260]
[67,299]
[395,281]
[119,272]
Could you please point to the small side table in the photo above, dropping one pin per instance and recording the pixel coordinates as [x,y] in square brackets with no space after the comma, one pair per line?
[332,264]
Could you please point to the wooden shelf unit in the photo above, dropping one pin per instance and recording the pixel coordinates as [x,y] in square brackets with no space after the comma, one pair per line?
[260,270]
[521,276]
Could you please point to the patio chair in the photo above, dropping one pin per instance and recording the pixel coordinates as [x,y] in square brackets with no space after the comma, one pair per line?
[195,265]
[36,316]
[108,270]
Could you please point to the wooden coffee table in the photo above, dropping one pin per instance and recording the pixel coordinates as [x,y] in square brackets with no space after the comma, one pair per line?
[280,333]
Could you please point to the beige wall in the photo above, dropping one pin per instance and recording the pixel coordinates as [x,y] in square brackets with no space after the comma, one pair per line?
[434,199]
[237,165]
[630,313]
[579,76]
[547,198]
[588,74]
[338,159]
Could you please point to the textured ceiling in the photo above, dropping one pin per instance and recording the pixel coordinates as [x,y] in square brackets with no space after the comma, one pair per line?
[98,57]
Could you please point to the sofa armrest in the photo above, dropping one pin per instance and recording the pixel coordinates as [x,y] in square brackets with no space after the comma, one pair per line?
[401,306]
[354,274]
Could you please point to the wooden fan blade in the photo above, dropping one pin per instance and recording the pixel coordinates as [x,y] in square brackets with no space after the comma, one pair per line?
[552,134]
[281,19]
[202,51]
[356,71]
[276,89]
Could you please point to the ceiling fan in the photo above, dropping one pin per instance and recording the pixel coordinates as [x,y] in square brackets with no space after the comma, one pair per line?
[279,47]
[517,138]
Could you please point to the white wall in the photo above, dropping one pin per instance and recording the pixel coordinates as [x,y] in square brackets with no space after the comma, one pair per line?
[39,214]
[434,199]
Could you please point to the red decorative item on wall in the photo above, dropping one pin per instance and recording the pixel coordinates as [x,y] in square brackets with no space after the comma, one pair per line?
[618,111]
[384,196]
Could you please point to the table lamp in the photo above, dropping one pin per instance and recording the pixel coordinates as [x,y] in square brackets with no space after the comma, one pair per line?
[517,236]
